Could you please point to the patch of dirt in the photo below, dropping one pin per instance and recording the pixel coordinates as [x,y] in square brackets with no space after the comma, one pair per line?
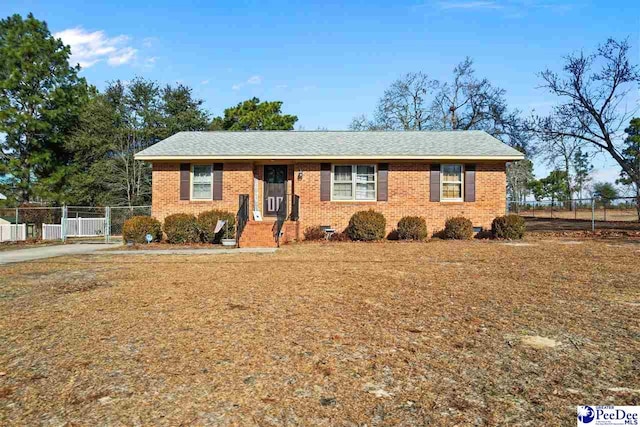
[321,334]
[539,342]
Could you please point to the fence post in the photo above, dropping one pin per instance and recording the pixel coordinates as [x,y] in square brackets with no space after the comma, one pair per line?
[63,224]
[107,224]
[593,215]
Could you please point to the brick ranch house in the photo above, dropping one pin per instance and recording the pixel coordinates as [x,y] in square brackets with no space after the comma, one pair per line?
[322,178]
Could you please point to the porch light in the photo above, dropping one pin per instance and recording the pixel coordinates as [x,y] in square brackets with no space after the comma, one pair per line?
[300,174]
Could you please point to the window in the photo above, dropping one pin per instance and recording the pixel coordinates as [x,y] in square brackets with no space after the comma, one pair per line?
[202,182]
[451,183]
[354,182]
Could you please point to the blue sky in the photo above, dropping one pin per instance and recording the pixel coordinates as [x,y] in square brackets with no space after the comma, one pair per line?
[329,61]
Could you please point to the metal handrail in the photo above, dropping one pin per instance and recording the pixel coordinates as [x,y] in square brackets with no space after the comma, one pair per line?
[281,217]
[295,208]
[242,217]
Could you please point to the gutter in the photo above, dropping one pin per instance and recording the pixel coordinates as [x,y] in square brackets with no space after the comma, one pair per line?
[151,158]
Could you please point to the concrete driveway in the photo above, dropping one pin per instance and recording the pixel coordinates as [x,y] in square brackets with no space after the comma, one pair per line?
[30,254]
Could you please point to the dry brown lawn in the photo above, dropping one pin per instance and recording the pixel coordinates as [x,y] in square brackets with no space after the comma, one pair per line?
[340,334]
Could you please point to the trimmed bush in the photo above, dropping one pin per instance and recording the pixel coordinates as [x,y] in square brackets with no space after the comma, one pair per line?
[340,237]
[366,225]
[508,227]
[207,222]
[459,228]
[412,228]
[314,233]
[181,228]
[136,228]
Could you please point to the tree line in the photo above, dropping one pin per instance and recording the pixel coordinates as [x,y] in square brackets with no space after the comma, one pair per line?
[64,141]
[593,114]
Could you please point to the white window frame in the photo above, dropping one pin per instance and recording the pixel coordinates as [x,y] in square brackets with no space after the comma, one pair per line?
[354,173]
[461,182]
[191,183]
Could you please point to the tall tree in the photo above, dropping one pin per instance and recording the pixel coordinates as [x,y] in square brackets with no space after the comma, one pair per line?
[416,102]
[553,187]
[470,103]
[181,111]
[519,176]
[582,168]
[604,192]
[560,153]
[254,115]
[631,152]
[405,105]
[40,99]
[115,125]
[591,93]
[93,145]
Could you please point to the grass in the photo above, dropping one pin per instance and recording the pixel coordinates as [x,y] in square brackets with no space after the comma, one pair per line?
[323,334]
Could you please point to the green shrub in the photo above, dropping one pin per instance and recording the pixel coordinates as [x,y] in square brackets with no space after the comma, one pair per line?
[207,222]
[366,225]
[508,227]
[181,228]
[459,228]
[412,228]
[314,233]
[136,228]
[340,237]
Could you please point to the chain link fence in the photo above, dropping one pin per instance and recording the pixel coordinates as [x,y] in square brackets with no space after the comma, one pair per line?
[78,223]
[579,214]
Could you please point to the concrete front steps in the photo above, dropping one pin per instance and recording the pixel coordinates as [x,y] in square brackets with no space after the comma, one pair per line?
[259,234]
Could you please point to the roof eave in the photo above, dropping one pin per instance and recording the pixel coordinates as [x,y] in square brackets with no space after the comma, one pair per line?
[152,158]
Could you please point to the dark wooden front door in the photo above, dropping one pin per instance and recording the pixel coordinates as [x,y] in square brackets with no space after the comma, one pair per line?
[275,188]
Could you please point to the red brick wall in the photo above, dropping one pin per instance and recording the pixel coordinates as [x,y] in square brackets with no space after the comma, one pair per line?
[237,178]
[408,195]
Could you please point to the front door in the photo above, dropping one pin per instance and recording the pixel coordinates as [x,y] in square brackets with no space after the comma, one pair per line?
[275,188]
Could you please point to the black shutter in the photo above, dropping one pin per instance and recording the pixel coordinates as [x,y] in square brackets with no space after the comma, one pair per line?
[470,183]
[217,181]
[325,181]
[434,183]
[383,182]
[185,181]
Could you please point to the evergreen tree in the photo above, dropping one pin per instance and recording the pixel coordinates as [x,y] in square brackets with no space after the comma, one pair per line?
[40,100]
[254,115]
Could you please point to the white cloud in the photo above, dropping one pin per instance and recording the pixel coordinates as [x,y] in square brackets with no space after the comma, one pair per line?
[253,80]
[123,56]
[510,8]
[204,82]
[89,48]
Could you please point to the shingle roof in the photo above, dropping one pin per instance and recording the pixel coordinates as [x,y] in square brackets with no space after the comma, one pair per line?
[329,145]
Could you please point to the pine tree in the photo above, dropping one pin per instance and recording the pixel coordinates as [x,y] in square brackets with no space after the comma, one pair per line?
[40,99]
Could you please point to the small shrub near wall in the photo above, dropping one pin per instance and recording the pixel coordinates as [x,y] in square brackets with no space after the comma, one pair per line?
[136,228]
[412,228]
[207,222]
[366,225]
[314,233]
[459,228]
[181,228]
[340,237]
[508,227]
